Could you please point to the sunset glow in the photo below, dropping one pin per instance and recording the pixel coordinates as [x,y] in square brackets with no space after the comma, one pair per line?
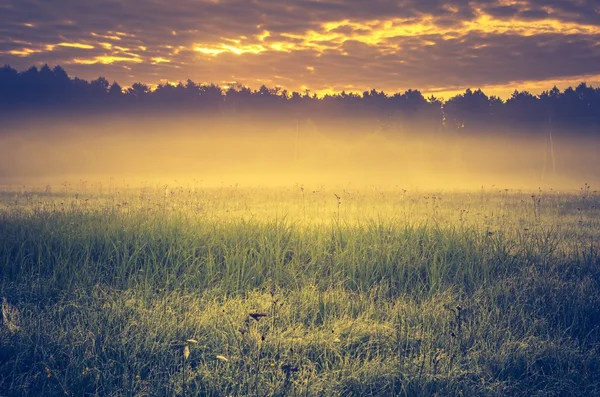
[493,45]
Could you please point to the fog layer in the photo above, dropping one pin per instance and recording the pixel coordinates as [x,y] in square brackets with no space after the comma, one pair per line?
[220,151]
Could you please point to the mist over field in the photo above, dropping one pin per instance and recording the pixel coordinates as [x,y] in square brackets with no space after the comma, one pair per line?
[214,151]
[299,198]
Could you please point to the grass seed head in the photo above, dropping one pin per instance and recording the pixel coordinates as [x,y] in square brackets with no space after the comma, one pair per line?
[11,316]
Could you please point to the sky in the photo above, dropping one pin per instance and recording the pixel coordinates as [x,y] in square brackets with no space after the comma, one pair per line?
[440,47]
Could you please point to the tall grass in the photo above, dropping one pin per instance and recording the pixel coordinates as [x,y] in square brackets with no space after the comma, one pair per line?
[161,291]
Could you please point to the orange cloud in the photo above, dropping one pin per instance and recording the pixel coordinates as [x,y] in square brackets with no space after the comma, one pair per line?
[329,45]
[106,60]
[378,32]
[51,47]
[23,52]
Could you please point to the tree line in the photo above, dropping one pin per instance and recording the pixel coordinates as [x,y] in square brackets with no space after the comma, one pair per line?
[574,110]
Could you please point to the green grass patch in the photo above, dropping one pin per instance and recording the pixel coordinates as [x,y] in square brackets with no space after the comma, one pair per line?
[231,291]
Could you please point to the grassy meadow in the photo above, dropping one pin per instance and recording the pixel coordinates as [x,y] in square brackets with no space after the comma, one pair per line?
[298,291]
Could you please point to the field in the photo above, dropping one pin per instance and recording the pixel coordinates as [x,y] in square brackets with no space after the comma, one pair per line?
[188,290]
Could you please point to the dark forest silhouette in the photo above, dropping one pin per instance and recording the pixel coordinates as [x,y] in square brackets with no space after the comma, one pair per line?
[575,111]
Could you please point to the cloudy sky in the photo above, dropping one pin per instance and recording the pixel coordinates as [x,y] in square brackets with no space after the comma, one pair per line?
[437,46]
